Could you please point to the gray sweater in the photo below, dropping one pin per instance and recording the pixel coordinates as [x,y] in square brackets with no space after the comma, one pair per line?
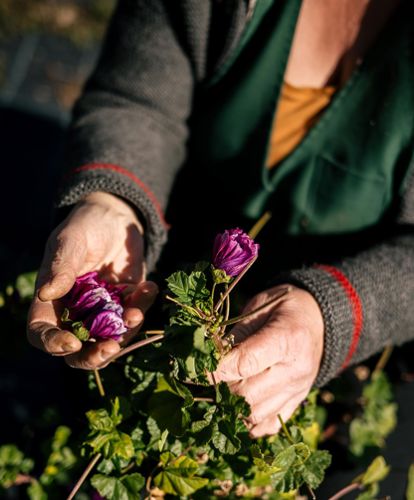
[129,134]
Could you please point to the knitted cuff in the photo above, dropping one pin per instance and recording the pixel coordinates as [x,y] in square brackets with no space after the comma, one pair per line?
[119,181]
[342,314]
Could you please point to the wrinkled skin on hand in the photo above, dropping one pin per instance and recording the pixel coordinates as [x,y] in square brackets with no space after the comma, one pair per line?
[102,233]
[276,359]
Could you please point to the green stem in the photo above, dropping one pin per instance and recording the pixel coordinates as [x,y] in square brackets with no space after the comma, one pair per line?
[130,348]
[285,429]
[199,313]
[385,356]
[273,300]
[85,474]
[99,383]
[233,284]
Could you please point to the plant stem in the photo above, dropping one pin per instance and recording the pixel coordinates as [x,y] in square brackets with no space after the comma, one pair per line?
[85,474]
[153,332]
[99,383]
[285,429]
[131,348]
[200,314]
[259,225]
[311,492]
[233,284]
[207,400]
[346,490]
[385,356]
[273,300]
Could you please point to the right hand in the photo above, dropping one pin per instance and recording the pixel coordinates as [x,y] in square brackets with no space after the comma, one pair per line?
[102,233]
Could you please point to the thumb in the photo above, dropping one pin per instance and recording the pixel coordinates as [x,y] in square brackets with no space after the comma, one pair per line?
[60,267]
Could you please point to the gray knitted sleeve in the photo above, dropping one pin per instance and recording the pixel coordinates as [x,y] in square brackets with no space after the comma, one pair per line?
[367,301]
[129,129]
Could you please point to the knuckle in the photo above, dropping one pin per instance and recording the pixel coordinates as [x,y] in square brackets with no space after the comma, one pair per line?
[247,363]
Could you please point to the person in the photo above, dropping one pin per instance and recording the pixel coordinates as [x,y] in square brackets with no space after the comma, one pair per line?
[223,110]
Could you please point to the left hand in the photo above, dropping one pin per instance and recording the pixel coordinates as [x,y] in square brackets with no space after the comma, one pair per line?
[276,359]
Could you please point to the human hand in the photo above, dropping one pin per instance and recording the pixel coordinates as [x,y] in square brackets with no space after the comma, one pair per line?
[276,359]
[102,233]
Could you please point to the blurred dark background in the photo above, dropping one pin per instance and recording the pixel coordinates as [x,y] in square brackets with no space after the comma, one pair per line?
[47,50]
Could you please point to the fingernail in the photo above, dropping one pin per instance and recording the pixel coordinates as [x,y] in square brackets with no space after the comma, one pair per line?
[68,347]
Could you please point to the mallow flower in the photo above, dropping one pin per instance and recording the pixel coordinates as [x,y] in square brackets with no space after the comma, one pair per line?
[233,250]
[93,308]
[106,324]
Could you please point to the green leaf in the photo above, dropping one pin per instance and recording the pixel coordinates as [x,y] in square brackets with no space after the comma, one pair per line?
[127,487]
[225,439]
[167,410]
[25,285]
[370,493]
[379,416]
[199,425]
[99,420]
[178,476]
[162,440]
[35,491]
[315,466]
[377,471]
[410,485]
[12,463]
[220,276]
[188,288]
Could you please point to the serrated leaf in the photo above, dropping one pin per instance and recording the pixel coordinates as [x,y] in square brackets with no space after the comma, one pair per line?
[225,440]
[315,466]
[188,288]
[127,487]
[199,425]
[178,476]
[99,420]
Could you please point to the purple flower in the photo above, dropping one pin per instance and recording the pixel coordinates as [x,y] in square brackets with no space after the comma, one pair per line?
[105,324]
[94,305]
[233,250]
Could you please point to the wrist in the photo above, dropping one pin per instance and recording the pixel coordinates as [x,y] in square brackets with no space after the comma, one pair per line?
[115,204]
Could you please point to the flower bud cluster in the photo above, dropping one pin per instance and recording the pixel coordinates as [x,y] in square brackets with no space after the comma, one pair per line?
[96,305]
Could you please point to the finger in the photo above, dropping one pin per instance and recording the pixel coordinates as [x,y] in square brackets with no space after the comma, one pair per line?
[261,387]
[271,425]
[93,354]
[52,339]
[61,265]
[43,331]
[143,296]
[133,317]
[265,348]
[273,404]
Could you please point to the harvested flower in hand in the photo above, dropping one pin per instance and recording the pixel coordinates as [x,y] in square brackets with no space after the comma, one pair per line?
[93,309]
[233,251]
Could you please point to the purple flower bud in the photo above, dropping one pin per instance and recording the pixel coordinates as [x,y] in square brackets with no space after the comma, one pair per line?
[233,250]
[105,324]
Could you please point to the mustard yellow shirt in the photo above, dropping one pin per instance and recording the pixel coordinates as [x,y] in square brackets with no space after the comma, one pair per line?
[297,111]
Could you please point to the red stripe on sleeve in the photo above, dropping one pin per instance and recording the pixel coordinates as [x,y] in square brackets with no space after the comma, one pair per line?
[357,311]
[134,178]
